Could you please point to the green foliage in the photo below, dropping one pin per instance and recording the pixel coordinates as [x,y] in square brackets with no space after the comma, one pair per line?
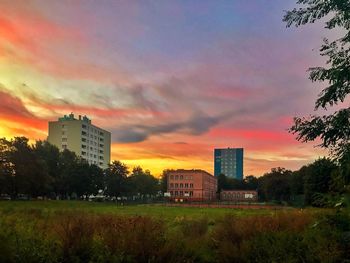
[143,182]
[317,181]
[42,170]
[116,179]
[23,171]
[332,129]
[227,183]
[164,180]
[275,185]
[325,239]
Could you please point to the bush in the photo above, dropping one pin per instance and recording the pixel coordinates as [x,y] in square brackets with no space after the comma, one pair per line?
[132,239]
[194,228]
[75,233]
[233,238]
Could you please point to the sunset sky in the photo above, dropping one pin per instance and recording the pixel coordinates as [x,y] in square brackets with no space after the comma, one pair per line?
[171,80]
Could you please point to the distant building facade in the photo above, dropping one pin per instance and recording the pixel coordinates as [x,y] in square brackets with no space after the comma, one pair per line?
[229,161]
[239,195]
[80,136]
[191,185]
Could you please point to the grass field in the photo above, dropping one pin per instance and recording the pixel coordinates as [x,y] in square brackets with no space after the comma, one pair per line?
[156,210]
[77,231]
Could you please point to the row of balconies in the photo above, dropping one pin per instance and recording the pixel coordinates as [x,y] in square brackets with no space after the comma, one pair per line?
[83,153]
[85,127]
[83,133]
[92,162]
[83,146]
[87,141]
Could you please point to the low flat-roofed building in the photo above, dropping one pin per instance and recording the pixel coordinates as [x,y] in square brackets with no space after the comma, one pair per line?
[192,185]
[239,195]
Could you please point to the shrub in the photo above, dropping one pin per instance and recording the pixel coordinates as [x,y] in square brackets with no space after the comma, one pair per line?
[132,239]
[194,228]
[233,237]
[75,232]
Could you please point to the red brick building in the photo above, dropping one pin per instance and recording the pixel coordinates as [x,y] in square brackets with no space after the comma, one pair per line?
[191,185]
[239,195]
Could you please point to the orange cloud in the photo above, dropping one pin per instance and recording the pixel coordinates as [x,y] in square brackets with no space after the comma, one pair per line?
[15,119]
[58,50]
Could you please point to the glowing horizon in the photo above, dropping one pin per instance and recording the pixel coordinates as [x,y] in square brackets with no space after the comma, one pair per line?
[170,80]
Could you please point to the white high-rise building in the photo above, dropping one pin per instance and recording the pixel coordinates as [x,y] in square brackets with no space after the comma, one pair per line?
[80,136]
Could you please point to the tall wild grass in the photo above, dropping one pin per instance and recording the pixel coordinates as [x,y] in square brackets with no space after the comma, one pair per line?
[72,236]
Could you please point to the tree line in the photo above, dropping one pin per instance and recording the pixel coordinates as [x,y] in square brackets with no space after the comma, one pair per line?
[322,183]
[42,170]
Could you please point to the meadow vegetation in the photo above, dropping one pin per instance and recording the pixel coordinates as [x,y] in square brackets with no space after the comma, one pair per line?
[58,231]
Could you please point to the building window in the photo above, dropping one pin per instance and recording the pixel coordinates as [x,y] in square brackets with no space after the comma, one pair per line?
[181,185]
[176,177]
[191,185]
[181,177]
[186,185]
[83,133]
[64,147]
[101,157]
[176,185]
[64,139]
[181,193]
[83,153]
[171,185]
[83,146]
[101,151]
[172,177]
[83,139]
[101,145]
[176,193]
[101,163]
[191,193]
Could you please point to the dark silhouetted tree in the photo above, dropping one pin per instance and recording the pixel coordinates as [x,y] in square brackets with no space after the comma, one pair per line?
[143,182]
[50,155]
[66,165]
[116,179]
[29,174]
[222,182]
[275,185]
[250,182]
[85,179]
[7,169]
[333,129]
[317,180]
[164,180]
